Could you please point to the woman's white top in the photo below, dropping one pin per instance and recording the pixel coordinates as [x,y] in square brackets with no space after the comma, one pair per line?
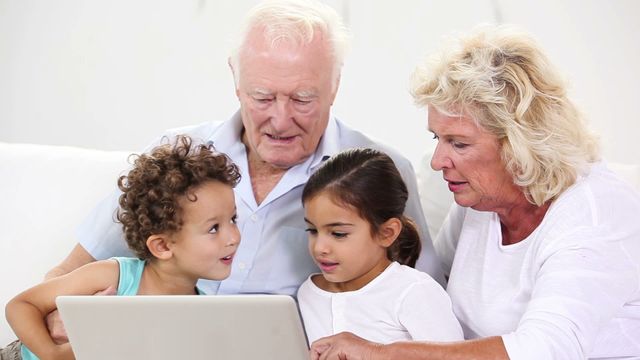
[399,304]
[570,290]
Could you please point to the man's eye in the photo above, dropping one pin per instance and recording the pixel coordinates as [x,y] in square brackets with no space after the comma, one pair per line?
[214,229]
[302,101]
[262,100]
[435,137]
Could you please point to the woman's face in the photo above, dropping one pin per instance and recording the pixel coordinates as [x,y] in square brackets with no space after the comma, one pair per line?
[469,158]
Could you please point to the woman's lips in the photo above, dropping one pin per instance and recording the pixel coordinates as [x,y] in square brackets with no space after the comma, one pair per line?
[455,186]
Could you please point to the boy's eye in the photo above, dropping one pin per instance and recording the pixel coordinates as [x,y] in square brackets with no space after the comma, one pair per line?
[214,229]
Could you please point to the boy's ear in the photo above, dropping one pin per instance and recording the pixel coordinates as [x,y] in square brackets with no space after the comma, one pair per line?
[159,246]
[389,231]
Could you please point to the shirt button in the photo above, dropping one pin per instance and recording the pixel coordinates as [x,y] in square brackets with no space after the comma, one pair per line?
[254,217]
[241,266]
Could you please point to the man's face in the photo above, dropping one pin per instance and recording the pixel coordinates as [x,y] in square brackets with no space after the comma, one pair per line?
[285,93]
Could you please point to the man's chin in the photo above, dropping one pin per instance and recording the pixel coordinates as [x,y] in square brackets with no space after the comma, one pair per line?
[284,163]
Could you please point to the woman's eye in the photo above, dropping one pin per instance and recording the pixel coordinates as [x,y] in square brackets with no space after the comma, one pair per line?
[214,229]
[311,231]
[459,145]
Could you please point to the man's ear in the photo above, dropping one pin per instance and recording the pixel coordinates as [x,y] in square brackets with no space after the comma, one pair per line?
[389,231]
[160,246]
[235,79]
[335,88]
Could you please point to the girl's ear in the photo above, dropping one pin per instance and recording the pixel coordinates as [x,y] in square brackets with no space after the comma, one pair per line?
[389,231]
[159,246]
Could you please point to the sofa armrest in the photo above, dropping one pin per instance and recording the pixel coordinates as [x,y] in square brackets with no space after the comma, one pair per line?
[46,192]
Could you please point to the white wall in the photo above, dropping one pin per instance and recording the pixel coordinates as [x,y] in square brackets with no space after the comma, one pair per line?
[114,74]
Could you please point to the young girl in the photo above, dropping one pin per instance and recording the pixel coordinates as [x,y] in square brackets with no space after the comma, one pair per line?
[366,249]
[178,212]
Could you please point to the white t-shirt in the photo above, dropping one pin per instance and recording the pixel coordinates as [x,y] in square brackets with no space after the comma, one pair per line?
[570,290]
[401,303]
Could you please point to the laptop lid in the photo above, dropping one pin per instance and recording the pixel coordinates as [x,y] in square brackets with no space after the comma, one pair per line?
[183,327]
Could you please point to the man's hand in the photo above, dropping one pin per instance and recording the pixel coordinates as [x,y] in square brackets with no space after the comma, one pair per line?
[343,346]
[56,327]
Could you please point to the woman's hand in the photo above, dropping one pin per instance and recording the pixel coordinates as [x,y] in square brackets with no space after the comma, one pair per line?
[344,346]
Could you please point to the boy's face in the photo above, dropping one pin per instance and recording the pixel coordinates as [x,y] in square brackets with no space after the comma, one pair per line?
[205,245]
[342,244]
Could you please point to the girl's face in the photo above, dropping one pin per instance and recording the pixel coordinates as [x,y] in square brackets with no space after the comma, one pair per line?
[205,244]
[342,244]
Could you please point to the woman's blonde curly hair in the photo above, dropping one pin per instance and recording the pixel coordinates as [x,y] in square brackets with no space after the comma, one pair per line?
[501,78]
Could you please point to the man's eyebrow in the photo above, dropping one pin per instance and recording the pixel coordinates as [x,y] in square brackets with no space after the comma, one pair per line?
[260,91]
[307,93]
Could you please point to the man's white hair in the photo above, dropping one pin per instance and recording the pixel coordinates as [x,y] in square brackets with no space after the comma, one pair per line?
[296,21]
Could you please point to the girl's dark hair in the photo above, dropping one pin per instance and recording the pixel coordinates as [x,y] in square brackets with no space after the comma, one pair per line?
[369,181]
[151,190]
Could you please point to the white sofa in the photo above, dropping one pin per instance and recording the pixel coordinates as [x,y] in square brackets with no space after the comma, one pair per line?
[49,189]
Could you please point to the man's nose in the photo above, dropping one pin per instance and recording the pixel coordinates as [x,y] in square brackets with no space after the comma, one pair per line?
[281,117]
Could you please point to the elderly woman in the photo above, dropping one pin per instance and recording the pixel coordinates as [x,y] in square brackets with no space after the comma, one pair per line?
[543,243]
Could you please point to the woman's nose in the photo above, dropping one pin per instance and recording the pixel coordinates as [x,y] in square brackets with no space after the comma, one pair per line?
[440,160]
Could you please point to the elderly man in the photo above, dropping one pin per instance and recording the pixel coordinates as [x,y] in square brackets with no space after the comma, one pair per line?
[287,71]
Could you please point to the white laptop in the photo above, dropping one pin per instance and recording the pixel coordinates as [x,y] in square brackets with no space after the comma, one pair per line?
[230,327]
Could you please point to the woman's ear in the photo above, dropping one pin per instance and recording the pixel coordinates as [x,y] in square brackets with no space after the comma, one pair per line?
[389,231]
[160,246]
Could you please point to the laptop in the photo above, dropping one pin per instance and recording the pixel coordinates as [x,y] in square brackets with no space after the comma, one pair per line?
[231,327]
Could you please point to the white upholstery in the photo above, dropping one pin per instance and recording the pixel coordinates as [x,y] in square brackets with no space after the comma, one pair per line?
[46,193]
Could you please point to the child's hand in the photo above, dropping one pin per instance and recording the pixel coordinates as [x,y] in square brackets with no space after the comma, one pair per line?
[56,327]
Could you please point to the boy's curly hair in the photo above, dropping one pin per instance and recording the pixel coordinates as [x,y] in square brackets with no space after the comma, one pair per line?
[151,190]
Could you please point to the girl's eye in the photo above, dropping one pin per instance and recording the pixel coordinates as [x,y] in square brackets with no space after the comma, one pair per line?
[339,235]
[214,229]
[312,231]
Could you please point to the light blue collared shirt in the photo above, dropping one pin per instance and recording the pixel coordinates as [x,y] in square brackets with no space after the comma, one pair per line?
[273,255]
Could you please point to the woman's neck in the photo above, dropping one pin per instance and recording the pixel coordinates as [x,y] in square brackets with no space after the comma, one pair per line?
[520,219]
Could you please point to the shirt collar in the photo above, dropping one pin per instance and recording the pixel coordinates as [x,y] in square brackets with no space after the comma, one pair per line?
[328,146]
